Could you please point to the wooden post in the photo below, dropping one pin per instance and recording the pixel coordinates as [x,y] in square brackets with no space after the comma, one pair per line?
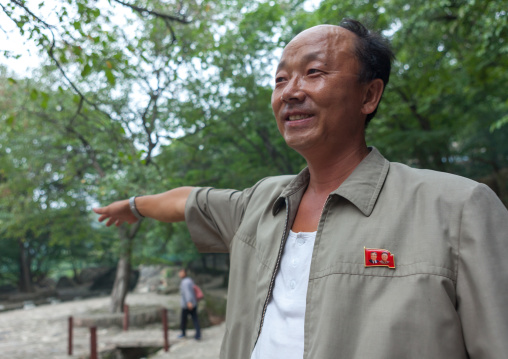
[93,343]
[69,348]
[125,317]
[165,328]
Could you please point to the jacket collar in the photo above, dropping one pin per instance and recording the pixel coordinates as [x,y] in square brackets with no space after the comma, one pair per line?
[361,188]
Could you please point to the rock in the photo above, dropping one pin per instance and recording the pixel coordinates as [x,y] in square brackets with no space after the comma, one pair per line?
[46,283]
[153,279]
[105,281]
[91,274]
[65,282]
[7,289]
[10,306]
[215,306]
[139,316]
[28,305]
[37,296]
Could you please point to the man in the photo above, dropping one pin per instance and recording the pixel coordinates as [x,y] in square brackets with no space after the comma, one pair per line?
[189,304]
[384,258]
[299,287]
[373,258]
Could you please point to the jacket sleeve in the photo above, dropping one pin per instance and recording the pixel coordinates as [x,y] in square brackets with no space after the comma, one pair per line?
[482,275]
[214,215]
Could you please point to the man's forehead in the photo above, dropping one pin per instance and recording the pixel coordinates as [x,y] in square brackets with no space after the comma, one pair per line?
[329,31]
[321,33]
[317,42]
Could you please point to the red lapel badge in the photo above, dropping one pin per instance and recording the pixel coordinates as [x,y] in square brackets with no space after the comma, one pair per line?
[376,257]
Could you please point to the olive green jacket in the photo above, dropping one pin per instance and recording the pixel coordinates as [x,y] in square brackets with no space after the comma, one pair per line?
[446,298]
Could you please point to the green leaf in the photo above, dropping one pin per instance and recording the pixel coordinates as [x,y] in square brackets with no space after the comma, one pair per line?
[10,120]
[34,94]
[86,70]
[77,25]
[499,123]
[110,76]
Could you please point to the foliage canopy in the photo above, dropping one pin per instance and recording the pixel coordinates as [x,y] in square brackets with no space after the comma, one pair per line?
[136,97]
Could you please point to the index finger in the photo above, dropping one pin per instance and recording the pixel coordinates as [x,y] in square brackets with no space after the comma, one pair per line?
[103,217]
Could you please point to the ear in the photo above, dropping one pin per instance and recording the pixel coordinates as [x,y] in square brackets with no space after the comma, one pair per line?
[373,92]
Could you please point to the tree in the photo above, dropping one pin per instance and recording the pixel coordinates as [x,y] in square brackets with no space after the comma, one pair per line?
[121,81]
[43,210]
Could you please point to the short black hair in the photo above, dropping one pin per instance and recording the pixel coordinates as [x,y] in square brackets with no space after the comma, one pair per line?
[374,53]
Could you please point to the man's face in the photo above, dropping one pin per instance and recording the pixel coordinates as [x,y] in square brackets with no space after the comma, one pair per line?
[384,257]
[181,273]
[317,99]
[373,256]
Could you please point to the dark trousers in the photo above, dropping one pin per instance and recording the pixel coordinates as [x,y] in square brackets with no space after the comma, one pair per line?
[194,315]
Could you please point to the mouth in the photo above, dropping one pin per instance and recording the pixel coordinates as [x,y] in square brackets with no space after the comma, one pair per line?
[298,117]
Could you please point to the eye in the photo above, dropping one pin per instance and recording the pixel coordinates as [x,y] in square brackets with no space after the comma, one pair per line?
[313,71]
[279,79]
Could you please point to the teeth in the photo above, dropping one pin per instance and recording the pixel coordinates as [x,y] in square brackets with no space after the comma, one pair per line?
[298,117]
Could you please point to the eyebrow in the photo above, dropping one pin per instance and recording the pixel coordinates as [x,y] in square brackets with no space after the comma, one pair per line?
[311,56]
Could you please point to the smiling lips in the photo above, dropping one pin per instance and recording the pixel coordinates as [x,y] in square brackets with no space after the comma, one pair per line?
[298,117]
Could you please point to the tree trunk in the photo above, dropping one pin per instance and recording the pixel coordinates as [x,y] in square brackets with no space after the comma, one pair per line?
[25,277]
[123,269]
[120,288]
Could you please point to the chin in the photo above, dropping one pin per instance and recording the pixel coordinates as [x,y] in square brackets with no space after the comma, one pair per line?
[299,144]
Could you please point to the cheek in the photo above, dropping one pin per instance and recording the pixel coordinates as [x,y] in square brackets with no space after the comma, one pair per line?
[339,101]
[276,102]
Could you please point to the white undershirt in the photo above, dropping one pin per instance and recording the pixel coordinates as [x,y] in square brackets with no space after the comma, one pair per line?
[283,328]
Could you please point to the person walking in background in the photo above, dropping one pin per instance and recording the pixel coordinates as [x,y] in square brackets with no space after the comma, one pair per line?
[189,304]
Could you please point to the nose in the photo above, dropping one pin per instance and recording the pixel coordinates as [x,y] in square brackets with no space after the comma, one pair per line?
[293,91]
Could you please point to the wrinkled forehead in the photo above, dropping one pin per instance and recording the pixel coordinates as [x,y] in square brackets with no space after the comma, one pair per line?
[324,41]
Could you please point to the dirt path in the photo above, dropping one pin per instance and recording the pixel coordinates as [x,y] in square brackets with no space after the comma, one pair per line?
[41,332]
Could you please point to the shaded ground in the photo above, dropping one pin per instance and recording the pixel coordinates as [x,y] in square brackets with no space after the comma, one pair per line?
[41,332]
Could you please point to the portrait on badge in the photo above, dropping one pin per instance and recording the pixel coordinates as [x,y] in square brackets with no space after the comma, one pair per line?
[371,256]
[384,258]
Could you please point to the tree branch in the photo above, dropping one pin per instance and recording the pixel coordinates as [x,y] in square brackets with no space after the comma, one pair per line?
[21,5]
[89,150]
[423,121]
[145,12]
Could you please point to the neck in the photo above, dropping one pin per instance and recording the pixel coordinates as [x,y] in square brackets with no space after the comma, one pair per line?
[328,172]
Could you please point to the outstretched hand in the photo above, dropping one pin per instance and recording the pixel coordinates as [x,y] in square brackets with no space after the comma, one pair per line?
[116,213]
[167,207]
